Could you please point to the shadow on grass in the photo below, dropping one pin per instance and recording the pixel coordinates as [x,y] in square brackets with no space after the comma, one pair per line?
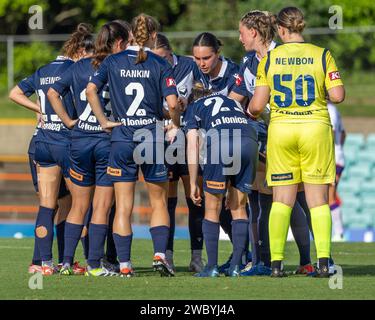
[348,269]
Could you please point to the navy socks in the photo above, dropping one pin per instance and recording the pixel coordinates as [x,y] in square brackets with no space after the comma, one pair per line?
[60,231]
[85,238]
[123,246]
[172,203]
[196,215]
[265,204]
[111,253]
[44,232]
[160,235]
[72,235]
[240,232]
[97,235]
[211,231]
[300,230]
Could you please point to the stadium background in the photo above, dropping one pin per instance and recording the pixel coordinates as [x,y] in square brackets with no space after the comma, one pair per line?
[23,50]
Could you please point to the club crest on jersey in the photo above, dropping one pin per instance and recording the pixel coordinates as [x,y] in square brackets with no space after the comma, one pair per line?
[239,79]
[170,82]
[334,75]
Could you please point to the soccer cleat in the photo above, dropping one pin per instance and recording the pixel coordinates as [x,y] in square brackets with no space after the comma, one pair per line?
[196,265]
[66,270]
[257,270]
[226,265]
[208,272]
[305,270]
[169,259]
[161,265]
[322,272]
[278,273]
[34,268]
[114,267]
[99,272]
[127,272]
[48,270]
[233,272]
[77,269]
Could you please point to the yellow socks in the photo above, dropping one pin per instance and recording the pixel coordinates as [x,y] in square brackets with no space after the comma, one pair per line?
[278,229]
[322,227]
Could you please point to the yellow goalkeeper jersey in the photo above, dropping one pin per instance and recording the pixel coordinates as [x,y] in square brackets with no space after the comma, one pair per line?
[298,75]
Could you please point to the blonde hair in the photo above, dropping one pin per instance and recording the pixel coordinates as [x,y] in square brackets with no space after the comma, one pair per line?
[198,91]
[142,27]
[292,19]
[262,21]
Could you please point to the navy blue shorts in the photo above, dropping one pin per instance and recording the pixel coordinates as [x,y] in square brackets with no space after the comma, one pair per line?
[49,155]
[63,191]
[124,168]
[262,143]
[89,161]
[241,173]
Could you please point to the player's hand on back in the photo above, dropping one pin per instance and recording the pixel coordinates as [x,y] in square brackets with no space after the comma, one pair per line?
[109,125]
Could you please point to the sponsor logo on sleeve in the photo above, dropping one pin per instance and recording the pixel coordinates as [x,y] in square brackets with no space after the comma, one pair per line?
[171,82]
[239,79]
[334,75]
[114,172]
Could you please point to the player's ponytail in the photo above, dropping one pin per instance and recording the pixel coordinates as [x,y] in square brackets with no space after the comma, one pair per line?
[292,19]
[143,26]
[207,39]
[106,39]
[262,21]
[81,38]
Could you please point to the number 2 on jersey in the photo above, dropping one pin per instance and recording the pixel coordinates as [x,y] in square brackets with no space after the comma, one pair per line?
[278,81]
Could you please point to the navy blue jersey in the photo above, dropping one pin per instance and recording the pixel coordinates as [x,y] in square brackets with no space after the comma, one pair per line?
[217,111]
[136,90]
[185,72]
[225,80]
[245,84]
[53,131]
[76,78]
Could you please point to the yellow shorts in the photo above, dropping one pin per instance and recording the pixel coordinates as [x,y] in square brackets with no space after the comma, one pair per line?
[300,152]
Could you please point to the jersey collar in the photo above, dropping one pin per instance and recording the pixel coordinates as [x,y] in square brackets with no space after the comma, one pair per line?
[271,47]
[223,68]
[136,48]
[175,60]
[59,58]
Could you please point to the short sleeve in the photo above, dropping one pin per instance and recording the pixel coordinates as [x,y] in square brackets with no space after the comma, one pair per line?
[333,77]
[66,80]
[261,79]
[168,83]
[100,77]
[240,85]
[190,119]
[27,85]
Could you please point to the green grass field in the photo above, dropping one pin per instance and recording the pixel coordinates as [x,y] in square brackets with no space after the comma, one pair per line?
[356,259]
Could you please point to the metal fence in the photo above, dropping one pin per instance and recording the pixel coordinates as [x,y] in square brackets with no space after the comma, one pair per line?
[10,40]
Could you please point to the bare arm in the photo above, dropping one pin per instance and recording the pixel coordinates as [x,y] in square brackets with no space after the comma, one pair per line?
[174,109]
[57,105]
[259,101]
[336,94]
[193,163]
[235,96]
[94,101]
[17,95]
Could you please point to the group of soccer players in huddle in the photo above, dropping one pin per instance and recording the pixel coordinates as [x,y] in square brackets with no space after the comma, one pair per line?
[253,144]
